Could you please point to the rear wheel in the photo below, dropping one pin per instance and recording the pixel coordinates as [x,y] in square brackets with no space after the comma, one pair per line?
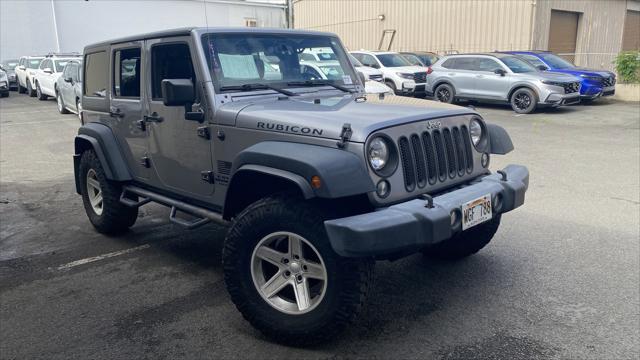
[444,93]
[21,89]
[61,108]
[465,243]
[284,277]
[101,198]
[30,91]
[524,101]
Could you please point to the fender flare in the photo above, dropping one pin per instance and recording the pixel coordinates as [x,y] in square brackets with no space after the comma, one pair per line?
[519,86]
[341,172]
[100,139]
[499,140]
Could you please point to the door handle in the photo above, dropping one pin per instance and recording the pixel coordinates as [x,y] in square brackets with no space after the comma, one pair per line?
[154,117]
[452,74]
[115,112]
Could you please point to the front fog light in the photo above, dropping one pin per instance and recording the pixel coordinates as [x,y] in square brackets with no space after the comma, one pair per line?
[484,160]
[383,188]
[475,130]
[378,153]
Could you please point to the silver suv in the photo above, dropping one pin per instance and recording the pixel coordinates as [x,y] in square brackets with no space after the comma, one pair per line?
[501,78]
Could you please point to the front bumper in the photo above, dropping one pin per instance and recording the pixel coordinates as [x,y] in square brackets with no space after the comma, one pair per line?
[410,226]
[556,99]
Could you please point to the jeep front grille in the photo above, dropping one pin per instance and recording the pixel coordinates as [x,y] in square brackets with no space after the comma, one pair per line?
[435,156]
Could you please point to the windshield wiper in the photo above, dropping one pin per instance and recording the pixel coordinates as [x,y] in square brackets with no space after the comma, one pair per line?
[320,83]
[250,87]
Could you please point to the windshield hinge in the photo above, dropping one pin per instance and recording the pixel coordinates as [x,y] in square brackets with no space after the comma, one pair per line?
[345,135]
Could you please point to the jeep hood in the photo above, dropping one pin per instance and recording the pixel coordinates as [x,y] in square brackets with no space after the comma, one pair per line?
[325,116]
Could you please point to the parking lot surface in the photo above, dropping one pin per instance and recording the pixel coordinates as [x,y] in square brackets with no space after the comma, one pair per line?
[559,280]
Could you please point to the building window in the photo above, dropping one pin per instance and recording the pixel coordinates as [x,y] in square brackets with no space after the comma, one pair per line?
[250,22]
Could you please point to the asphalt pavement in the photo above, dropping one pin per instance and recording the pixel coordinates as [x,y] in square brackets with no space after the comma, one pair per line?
[559,280]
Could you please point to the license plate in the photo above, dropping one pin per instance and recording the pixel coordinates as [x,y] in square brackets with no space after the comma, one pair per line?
[476,212]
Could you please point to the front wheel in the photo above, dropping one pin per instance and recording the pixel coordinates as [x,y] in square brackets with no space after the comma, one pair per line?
[79,110]
[41,96]
[21,89]
[101,198]
[465,243]
[444,93]
[524,101]
[392,86]
[30,91]
[61,108]
[284,277]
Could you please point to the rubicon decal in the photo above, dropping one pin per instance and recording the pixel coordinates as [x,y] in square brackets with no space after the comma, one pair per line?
[289,128]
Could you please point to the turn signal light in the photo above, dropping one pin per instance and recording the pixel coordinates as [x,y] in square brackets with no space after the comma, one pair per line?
[429,70]
[316,183]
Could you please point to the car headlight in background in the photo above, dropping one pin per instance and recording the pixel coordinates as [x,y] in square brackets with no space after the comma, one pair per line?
[554,83]
[406,75]
[378,153]
[475,131]
[591,77]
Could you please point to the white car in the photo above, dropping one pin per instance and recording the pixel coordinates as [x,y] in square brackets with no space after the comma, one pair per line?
[368,72]
[47,75]
[374,87]
[398,73]
[25,72]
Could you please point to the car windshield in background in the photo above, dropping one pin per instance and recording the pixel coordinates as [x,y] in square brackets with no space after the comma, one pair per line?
[60,65]
[428,60]
[393,60]
[414,60]
[517,65]
[33,63]
[240,61]
[557,62]
[10,65]
[355,61]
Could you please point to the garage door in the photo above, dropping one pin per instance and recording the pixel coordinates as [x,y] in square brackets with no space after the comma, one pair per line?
[563,32]
[631,37]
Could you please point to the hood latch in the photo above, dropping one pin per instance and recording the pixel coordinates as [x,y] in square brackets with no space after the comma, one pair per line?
[345,135]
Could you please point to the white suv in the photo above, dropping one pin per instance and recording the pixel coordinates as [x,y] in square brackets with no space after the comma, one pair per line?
[25,71]
[48,73]
[399,74]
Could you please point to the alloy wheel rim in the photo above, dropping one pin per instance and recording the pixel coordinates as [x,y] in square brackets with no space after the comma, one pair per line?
[94,192]
[59,99]
[443,95]
[288,273]
[522,101]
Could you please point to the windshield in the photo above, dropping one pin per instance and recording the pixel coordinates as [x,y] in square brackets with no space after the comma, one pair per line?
[414,60]
[517,65]
[393,60]
[557,62]
[273,59]
[33,63]
[10,65]
[355,61]
[60,65]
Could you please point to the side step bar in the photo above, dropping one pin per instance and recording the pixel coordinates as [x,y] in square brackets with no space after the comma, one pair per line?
[203,215]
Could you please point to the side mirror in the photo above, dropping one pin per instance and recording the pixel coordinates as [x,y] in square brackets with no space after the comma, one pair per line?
[177,92]
[21,67]
[362,77]
[499,72]
[68,79]
[542,68]
[375,66]
[47,71]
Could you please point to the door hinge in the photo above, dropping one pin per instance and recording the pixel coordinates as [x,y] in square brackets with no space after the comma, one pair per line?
[203,132]
[345,135]
[207,176]
[145,162]
[141,125]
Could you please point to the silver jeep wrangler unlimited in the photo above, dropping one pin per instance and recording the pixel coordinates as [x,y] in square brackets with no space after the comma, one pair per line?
[315,181]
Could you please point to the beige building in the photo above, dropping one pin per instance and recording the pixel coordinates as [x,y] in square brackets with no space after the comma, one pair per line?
[589,32]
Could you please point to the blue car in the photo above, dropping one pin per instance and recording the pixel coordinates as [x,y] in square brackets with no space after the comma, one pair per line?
[595,83]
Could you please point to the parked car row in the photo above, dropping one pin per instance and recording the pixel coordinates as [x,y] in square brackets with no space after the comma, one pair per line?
[526,80]
[53,75]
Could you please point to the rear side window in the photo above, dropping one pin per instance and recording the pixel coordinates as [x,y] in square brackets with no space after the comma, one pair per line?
[449,64]
[97,70]
[126,73]
[170,61]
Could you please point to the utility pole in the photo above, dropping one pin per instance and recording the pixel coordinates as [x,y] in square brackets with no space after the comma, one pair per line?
[290,14]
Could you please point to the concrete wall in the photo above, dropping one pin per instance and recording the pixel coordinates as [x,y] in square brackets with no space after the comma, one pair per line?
[600,28]
[29,28]
[435,25]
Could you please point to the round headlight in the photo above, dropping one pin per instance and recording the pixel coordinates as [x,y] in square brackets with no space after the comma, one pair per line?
[475,130]
[378,153]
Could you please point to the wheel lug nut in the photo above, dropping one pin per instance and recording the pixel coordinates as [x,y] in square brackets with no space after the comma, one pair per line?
[296,257]
[299,277]
[287,273]
[304,267]
[285,260]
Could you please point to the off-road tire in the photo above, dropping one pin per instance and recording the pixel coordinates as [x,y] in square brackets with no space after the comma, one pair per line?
[465,243]
[115,217]
[60,103]
[30,91]
[532,101]
[39,94]
[444,93]
[348,279]
[392,86]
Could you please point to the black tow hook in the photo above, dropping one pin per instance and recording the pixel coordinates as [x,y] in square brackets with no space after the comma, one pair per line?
[503,175]
[429,198]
